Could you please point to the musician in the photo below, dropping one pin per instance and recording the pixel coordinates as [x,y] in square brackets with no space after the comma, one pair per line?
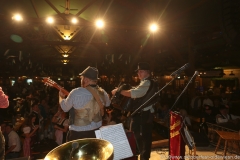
[85,112]
[141,123]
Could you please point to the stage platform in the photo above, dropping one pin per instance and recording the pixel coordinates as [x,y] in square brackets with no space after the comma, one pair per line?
[203,153]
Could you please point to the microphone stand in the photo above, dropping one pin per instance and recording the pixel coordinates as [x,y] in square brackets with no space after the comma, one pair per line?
[195,73]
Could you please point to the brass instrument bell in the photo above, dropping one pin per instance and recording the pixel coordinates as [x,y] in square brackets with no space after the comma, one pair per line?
[82,149]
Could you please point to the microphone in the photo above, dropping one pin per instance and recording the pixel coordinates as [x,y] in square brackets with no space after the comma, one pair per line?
[196,73]
[75,145]
[177,72]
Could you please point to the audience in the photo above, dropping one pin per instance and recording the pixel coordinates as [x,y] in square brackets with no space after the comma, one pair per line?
[61,127]
[14,143]
[227,120]
[29,131]
[196,102]
[213,111]
[207,100]
[209,115]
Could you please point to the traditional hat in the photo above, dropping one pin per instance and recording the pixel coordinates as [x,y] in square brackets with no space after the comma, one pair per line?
[90,72]
[143,66]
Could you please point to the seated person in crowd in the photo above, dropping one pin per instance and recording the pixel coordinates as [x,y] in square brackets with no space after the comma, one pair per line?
[228,120]
[14,143]
[225,99]
[215,108]
[209,115]
[207,100]
[196,102]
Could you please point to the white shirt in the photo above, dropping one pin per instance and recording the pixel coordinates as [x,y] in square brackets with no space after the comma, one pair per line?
[13,139]
[227,117]
[77,99]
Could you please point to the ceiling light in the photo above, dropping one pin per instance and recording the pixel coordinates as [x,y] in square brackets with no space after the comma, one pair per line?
[65,61]
[50,20]
[65,55]
[153,27]
[66,37]
[99,23]
[231,74]
[74,20]
[17,17]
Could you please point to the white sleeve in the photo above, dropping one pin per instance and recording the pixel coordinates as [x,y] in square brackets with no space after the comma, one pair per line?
[107,99]
[26,130]
[221,120]
[140,90]
[67,104]
[235,117]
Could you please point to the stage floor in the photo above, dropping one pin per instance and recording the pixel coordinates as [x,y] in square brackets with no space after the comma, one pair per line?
[203,153]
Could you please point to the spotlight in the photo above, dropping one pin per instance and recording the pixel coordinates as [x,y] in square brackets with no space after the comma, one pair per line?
[74,20]
[153,27]
[99,23]
[65,55]
[50,20]
[17,17]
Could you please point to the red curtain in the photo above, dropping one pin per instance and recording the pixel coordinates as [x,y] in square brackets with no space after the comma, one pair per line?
[177,144]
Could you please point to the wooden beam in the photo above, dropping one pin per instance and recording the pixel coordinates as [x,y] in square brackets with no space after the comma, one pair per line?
[84,8]
[99,8]
[34,7]
[56,10]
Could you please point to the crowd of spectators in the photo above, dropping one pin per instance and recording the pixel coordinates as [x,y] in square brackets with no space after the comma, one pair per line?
[34,113]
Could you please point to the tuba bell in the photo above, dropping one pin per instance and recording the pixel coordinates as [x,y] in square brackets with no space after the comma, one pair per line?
[82,149]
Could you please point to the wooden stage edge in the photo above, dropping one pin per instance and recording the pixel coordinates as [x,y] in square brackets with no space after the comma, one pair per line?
[160,143]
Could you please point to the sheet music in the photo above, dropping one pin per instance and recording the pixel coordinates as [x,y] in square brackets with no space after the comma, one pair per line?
[116,135]
[98,134]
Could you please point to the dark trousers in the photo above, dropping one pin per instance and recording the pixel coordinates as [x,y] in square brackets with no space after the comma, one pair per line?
[73,135]
[12,155]
[141,125]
